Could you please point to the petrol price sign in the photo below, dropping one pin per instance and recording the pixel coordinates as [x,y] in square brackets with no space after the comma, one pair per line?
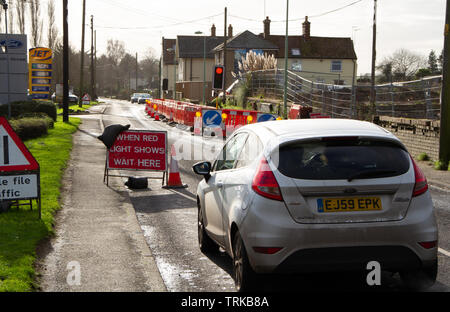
[40,72]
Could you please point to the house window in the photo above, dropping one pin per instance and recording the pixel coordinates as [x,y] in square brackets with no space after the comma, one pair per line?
[296,66]
[336,66]
[295,52]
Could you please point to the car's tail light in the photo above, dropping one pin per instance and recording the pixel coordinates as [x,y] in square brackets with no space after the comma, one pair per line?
[264,182]
[421,184]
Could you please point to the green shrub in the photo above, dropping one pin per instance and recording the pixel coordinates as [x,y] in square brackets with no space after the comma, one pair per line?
[49,120]
[31,127]
[26,107]
[423,157]
[439,165]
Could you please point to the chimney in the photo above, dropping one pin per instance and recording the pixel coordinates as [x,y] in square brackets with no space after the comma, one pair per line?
[213,31]
[306,28]
[230,31]
[266,27]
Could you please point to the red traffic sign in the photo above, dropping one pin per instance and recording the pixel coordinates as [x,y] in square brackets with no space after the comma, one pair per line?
[14,155]
[86,97]
[139,150]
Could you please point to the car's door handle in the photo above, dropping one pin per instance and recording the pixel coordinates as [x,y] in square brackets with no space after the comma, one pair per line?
[219,184]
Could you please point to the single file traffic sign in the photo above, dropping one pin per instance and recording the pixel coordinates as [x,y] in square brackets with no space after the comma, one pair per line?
[14,155]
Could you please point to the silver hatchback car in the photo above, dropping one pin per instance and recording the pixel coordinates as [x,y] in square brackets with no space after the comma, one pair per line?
[317,195]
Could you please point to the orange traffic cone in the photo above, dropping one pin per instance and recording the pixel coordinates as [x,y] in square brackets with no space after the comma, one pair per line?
[174,180]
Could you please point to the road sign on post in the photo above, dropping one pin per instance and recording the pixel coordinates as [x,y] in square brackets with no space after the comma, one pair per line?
[19,170]
[86,100]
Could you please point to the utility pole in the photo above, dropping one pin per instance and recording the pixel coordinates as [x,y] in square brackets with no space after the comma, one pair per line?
[65,64]
[5,7]
[374,57]
[225,38]
[444,138]
[95,66]
[82,54]
[136,71]
[286,55]
[92,57]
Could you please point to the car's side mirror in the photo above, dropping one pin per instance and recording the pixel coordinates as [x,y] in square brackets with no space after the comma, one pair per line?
[203,168]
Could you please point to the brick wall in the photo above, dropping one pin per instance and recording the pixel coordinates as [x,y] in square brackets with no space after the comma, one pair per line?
[418,135]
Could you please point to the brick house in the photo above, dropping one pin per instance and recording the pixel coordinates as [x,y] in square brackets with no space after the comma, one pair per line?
[319,59]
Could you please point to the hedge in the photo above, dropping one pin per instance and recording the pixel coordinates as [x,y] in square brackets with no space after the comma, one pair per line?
[31,127]
[29,107]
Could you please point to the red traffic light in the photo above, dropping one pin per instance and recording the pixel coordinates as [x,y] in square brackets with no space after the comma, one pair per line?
[219,70]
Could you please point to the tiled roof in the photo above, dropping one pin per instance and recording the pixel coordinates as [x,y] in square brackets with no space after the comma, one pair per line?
[247,40]
[315,47]
[192,46]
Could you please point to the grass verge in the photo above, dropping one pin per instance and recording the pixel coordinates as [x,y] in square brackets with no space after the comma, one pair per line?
[20,229]
[74,109]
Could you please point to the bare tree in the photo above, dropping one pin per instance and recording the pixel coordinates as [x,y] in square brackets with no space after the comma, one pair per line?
[36,22]
[405,64]
[52,32]
[20,13]
[11,29]
[115,50]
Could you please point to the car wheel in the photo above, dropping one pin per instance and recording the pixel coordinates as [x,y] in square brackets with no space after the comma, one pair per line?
[243,274]
[420,279]
[206,244]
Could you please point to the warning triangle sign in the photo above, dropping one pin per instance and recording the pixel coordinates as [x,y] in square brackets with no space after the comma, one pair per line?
[14,155]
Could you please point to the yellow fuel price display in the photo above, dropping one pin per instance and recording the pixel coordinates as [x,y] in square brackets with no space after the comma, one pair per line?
[40,72]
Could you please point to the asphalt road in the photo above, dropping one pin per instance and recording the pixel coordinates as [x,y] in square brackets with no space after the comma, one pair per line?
[169,217]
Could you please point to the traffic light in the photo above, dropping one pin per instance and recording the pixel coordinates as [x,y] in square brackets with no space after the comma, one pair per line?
[219,72]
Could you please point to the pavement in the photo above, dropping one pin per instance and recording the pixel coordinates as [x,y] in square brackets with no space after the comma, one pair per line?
[98,244]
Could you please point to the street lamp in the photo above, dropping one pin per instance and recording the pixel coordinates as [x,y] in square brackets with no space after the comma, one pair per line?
[204,64]
[174,71]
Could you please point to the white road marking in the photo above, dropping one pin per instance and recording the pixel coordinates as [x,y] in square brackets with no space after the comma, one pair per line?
[444,252]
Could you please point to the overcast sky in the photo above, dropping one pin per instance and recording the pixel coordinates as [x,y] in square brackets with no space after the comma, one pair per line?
[416,25]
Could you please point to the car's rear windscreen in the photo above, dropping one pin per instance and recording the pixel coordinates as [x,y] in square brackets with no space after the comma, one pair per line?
[341,158]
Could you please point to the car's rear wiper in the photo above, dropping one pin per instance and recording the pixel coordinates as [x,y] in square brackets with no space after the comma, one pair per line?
[371,174]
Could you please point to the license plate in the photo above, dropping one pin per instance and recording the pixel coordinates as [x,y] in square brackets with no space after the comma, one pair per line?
[348,204]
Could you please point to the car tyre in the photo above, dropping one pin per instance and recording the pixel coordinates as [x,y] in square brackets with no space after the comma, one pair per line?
[206,244]
[420,279]
[243,274]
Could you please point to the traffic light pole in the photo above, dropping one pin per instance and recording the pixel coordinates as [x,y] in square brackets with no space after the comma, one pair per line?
[444,138]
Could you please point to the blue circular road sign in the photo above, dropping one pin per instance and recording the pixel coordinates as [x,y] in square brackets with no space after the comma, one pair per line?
[212,118]
[266,117]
